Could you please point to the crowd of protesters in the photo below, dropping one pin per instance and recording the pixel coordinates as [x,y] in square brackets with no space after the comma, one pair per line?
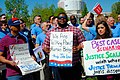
[14,31]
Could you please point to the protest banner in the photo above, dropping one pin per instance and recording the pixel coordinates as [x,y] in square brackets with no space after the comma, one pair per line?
[102,56]
[20,54]
[61,49]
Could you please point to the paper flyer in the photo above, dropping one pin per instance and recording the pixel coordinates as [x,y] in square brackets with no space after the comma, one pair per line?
[20,54]
[39,54]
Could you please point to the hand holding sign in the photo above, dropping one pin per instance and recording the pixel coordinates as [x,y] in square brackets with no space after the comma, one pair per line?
[21,58]
[13,63]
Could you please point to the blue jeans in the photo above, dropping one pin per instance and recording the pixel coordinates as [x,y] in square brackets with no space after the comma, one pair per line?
[17,77]
[56,73]
[20,77]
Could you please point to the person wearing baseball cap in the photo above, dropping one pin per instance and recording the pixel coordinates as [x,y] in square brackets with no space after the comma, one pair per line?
[13,38]
[14,24]
[3,17]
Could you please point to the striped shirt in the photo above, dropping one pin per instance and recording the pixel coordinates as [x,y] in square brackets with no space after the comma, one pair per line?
[77,39]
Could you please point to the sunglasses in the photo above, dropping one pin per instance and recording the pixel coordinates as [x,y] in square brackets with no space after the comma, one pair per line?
[60,17]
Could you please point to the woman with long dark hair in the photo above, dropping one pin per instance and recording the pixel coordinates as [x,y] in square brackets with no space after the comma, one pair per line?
[103,31]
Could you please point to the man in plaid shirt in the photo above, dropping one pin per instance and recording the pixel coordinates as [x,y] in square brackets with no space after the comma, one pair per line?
[74,72]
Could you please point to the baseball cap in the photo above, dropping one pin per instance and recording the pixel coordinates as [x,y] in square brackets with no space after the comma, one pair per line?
[13,22]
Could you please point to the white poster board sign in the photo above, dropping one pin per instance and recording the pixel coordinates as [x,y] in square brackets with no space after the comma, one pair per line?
[61,49]
[102,57]
[20,54]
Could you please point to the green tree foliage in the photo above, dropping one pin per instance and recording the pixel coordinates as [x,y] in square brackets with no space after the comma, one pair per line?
[114,15]
[116,8]
[18,8]
[45,11]
[84,11]
[58,10]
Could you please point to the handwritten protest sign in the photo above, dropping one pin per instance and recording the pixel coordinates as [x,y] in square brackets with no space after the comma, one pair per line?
[61,49]
[102,56]
[20,54]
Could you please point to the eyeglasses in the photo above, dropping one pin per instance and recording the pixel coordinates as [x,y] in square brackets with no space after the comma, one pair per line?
[100,27]
[60,17]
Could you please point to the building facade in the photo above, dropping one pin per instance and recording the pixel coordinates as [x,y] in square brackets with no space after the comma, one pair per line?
[72,7]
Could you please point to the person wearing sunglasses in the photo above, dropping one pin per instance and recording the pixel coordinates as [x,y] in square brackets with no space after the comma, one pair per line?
[74,72]
[3,17]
